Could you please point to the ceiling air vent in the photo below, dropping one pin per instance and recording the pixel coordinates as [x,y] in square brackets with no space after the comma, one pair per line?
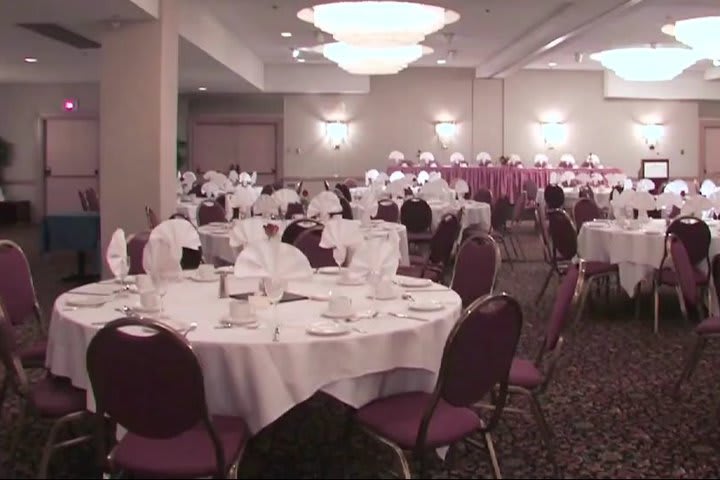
[61,34]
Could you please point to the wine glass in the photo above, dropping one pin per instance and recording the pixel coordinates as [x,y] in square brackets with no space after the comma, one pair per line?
[274,290]
[374,278]
[161,282]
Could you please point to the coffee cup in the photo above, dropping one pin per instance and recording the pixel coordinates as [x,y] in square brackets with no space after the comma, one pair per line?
[144,283]
[206,271]
[340,305]
[240,309]
[149,300]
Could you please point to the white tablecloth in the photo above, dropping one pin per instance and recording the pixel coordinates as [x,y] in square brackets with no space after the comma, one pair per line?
[189,207]
[638,253]
[247,374]
[475,213]
[572,195]
[216,240]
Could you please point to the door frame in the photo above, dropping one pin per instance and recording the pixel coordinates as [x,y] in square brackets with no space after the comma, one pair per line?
[704,124]
[274,120]
[41,137]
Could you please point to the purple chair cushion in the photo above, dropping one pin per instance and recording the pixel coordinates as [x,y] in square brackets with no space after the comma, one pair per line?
[709,326]
[397,418]
[524,373]
[599,268]
[33,356]
[55,397]
[669,277]
[188,455]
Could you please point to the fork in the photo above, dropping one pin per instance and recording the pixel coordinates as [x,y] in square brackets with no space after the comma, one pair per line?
[408,317]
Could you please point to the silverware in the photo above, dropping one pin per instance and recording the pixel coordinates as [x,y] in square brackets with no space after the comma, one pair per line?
[423,289]
[408,317]
[94,294]
[73,308]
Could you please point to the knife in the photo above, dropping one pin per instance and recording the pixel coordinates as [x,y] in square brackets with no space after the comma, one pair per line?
[408,317]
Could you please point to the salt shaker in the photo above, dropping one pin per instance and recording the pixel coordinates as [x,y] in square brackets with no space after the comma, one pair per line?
[223,293]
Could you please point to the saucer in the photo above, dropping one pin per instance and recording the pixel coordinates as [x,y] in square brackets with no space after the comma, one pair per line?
[197,278]
[392,295]
[426,305]
[329,270]
[86,301]
[413,282]
[328,329]
[336,315]
[247,322]
[350,281]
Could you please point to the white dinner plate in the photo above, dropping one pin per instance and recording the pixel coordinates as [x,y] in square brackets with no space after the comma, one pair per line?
[336,315]
[219,224]
[88,301]
[247,323]
[351,281]
[197,278]
[328,329]
[413,282]
[329,270]
[596,225]
[426,305]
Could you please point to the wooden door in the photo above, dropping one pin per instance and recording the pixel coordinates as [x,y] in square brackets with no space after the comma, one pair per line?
[257,144]
[71,150]
[710,148]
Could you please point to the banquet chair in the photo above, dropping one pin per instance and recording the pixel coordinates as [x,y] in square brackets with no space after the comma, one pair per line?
[180,216]
[484,195]
[308,242]
[416,215]
[50,398]
[152,386]
[267,190]
[476,267]
[435,263]
[541,220]
[344,191]
[346,212]
[299,187]
[151,217]
[529,379]
[500,214]
[296,227]
[135,247]
[294,208]
[585,191]
[477,356]
[196,190]
[387,210]
[518,209]
[695,236]
[326,184]
[92,200]
[707,329]
[210,211]
[83,201]
[350,183]
[585,210]
[554,197]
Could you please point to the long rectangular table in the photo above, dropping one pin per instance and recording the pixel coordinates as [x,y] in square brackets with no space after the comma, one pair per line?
[501,181]
[77,231]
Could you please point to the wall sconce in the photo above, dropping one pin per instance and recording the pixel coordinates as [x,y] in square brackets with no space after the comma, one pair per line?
[554,134]
[336,133]
[652,133]
[446,132]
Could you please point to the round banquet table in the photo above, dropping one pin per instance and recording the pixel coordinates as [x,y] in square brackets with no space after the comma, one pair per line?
[637,252]
[189,207]
[474,213]
[249,375]
[572,195]
[215,240]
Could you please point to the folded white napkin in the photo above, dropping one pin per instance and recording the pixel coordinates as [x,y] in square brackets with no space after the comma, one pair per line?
[396,175]
[677,186]
[323,205]
[554,178]
[668,200]
[243,197]
[642,201]
[233,176]
[161,258]
[540,159]
[370,176]
[434,176]
[247,179]
[377,254]
[339,234]
[461,187]
[435,188]
[189,177]
[567,158]
[247,231]
[209,175]
[427,157]
[708,187]
[265,205]
[456,158]
[567,177]
[645,185]
[179,234]
[396,156]
[272,259]
[614,179]
[116,255]
[483,157]
[210,189]
[423,177]
[285,196]
[397,188]
[597,178]
[382,178]
[582,178]
[696,205]
[219,179]
[368,205]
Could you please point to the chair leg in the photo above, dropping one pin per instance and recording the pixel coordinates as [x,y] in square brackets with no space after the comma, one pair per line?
[681,300]
[519,245]
[692,360]
[404,464]
[48,450]
[507,252]
[656,305]
[583,299]
[493,456]
[512,244]
[545,285]
[545,430]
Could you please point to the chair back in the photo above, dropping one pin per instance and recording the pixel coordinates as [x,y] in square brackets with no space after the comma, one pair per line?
[326,185]
[344,191]
[150,384]
[416,215]
[151,217]
[296,227]
[519,206]
[350,183]
[388,210]
[17,290]
[616,190]
[695,236]
[586,192]
[210,211]
[476,267]
[563,235]
[443,240]
[135,248]
[501,212]
[299,187]
[83,201]
[684,270]
[554,197]
[294,208]
[9,353]
[347,212]
[532,190]
[92,200]
[179,216]
[585,210]
[483,195]
[541,220]
[308,242]
[567,293]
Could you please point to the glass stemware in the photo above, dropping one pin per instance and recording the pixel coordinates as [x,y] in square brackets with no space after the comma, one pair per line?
[274,290]
[161,282]
[374,278]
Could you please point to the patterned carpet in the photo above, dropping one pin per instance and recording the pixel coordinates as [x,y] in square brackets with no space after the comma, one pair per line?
[609,404]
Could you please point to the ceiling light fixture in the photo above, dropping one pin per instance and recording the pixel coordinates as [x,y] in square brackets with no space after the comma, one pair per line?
[295,53]
[376,23]
[30,60]
[202,89]
[286,34]
[702,34]
[372,60]
[647,64]
[441,61]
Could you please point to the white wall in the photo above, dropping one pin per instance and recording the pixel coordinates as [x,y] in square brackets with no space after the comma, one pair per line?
[21,107]
[608,128]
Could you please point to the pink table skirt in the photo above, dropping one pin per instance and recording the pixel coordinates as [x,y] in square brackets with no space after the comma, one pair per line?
[501,181]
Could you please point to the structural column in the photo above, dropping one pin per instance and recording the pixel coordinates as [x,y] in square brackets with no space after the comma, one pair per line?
[138,122]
